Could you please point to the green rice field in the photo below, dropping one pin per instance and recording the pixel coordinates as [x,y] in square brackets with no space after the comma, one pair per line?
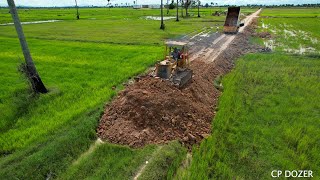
[268,115]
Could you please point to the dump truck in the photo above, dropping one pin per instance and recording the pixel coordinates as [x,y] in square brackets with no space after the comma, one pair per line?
[232,23]
[175,66]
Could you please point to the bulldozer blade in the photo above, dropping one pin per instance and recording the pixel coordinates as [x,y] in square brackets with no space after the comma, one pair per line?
[182,77]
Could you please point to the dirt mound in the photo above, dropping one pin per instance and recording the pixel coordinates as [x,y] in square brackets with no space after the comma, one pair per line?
[264,35]
[154,111]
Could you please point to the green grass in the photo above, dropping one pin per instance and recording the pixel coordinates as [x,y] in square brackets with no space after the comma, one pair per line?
[80,62]
[164,162]
[291,12]
[81,77]
[109,161]
[294,35]
[39,132]
[268,119]
[105,13]
[268,115]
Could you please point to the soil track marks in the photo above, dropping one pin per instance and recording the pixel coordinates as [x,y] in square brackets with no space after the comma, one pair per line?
[154,111]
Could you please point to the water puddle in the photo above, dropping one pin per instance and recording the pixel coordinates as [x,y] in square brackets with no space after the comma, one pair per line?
[269,44]
[158,18]
[264,26]
[273,31]
[32,22]
[314,40]
[301,50]
[205,35]
[290,33]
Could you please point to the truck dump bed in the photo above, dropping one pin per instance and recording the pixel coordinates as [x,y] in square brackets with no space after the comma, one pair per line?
[231,24]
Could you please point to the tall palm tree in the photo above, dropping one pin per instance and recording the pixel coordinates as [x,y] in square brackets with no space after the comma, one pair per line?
[78,16]
[182,4]
[30,68]
[177,10]
[161,8]
[186,5]
[199,8]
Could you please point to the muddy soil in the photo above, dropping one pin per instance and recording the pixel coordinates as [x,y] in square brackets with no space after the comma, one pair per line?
[264,35]
[153,111]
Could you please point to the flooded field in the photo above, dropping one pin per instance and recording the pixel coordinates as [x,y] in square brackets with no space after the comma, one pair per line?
[158,18]
[32,22]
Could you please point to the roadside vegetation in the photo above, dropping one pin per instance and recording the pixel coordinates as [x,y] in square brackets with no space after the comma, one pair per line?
[268,116]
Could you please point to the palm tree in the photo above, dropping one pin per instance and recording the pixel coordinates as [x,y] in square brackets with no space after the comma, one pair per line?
[161,8]
[186,5]
[177,10]
[182,4]
[198,8]
[78,16]
[30,68]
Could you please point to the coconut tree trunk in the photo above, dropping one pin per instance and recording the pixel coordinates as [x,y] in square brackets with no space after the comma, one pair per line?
[182,3]
[31,70]
[78,16]
[161,8]
[198,8]
[187,5]
[177,10]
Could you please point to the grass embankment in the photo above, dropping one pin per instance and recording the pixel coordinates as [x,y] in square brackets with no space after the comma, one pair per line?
[80,62]
[109,162]
[268,116]
[164,162]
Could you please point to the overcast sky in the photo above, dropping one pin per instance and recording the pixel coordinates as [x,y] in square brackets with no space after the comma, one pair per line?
[50,3]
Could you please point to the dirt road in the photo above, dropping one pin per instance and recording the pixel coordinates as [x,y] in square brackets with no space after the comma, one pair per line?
[222,42]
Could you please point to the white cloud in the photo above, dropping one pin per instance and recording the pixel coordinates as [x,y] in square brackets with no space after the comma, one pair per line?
[50,3]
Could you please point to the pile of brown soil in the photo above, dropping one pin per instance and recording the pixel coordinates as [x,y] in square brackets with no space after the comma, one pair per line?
[154,111]
[265,35]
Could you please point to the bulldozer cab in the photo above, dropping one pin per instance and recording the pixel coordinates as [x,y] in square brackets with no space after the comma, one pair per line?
[177,52]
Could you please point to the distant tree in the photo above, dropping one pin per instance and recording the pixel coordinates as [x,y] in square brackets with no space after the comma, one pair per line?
[207,5]
[29,68]
[78,16]
[186,6]
[172,5]
[161,9]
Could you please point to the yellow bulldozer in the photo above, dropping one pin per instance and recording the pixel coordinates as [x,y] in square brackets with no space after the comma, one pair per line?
[175,66]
